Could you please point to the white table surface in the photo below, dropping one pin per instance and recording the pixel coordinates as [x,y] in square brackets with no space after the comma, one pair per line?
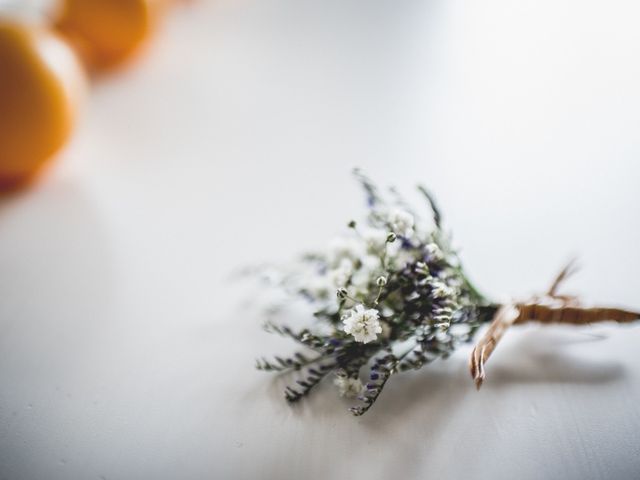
[125,351]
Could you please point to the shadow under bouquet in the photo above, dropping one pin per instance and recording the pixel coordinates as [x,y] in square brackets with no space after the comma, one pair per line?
[391,295]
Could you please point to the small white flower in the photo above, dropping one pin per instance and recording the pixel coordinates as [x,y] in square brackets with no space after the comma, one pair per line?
[338,277]
[362,277]
[318,285]
[402,222]
[342,248]
[374,239]
[309,279]
[370,263]
[360,280]
[362,324]
[348,387]
[399,257]
[434,251]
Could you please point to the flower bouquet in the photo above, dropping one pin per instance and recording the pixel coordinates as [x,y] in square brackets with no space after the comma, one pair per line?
[391,295]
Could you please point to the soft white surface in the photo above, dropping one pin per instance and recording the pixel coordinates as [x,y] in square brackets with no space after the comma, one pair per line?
[126,354]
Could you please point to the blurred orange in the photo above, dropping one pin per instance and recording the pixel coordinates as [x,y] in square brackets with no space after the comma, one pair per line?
[41,84]
[106,32]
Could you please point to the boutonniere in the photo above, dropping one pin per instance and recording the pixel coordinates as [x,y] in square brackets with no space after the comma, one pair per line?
[391,295]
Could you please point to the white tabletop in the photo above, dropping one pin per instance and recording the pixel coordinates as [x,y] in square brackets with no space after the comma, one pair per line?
[127,353]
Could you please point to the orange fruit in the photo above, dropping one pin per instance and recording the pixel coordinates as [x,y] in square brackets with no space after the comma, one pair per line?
[107,32]
[41,84]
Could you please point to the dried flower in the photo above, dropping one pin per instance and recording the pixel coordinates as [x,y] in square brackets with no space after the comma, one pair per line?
[348,387]
[399,305]
[339,276]
[362,324]
[402,222]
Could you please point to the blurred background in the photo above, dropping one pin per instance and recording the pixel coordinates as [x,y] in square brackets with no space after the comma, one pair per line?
[229,141]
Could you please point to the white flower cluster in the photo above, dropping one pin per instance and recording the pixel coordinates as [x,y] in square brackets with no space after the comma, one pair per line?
[402,222]
[363,324]
[348,387]
[356,261]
